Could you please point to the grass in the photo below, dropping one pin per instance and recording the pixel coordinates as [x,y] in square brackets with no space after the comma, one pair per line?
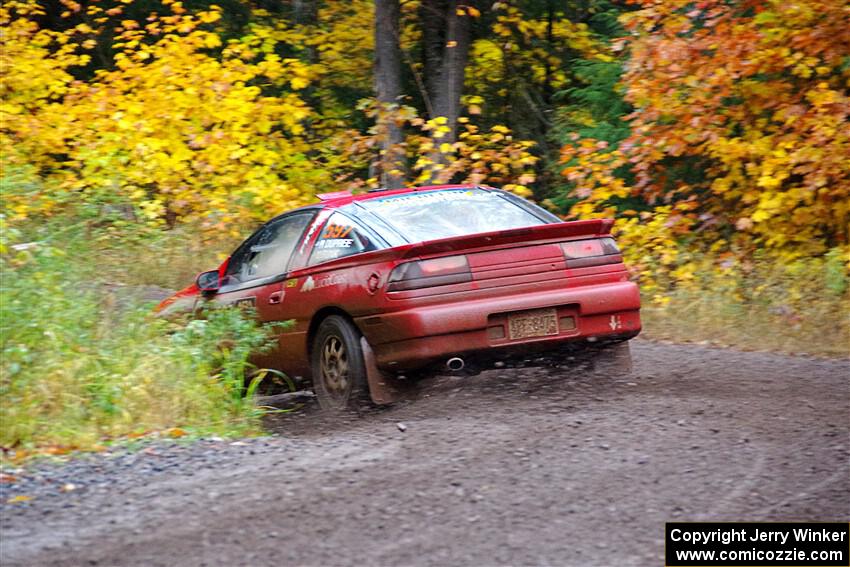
[83,360]
[823,330]
[797,307]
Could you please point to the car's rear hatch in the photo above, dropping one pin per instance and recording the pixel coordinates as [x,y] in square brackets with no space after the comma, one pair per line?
[561,254]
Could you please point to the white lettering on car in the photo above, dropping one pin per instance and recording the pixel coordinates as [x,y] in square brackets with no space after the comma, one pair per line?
[336,243]
[326,281]
[436,196]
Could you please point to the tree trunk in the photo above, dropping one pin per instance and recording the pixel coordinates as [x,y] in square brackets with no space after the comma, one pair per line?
[432,18]
[388,91]
[446,41]
[449,87]
[305,12]
[548,91]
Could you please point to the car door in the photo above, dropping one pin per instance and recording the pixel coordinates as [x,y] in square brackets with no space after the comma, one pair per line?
[320,283]
[257,270]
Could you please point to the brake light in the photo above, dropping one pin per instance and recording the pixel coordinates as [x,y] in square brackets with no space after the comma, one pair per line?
[429,273]
[592,252]
[589,248]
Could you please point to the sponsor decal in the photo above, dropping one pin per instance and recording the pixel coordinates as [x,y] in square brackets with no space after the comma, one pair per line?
[323,281]
[615,323]
[335,243]
[436,196]
[245,302]
[291,282]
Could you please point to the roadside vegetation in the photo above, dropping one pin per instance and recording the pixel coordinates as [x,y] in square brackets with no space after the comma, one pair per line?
[140,138]
[800,307]
[84,362]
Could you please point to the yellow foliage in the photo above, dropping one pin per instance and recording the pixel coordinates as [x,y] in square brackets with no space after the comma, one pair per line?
[172,129]
[523,47]
[493,156]
[186,127]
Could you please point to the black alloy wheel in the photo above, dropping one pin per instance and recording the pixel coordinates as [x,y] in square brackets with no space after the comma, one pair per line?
[339,370]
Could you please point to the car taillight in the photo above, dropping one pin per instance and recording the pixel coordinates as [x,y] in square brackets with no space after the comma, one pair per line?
[429,273]
[594,252]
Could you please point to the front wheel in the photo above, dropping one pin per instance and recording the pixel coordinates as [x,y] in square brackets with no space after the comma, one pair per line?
[339,371]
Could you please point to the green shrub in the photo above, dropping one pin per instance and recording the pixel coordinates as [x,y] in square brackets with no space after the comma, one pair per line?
[83,358]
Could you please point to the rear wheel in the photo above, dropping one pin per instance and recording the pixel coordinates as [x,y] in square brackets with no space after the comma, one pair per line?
[339,371]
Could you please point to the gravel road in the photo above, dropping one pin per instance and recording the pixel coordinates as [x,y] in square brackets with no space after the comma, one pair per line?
[542,466]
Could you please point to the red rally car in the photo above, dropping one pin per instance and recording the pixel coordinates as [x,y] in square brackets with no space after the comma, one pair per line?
[382,284]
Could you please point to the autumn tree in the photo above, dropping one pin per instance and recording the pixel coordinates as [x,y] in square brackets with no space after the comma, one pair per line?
[172,129]
[388,91]
[739,126]
[526,61]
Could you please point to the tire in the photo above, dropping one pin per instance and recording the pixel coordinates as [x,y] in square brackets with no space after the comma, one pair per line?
[338,367]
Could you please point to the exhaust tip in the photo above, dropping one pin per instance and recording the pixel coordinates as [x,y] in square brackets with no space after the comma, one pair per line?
[455,364]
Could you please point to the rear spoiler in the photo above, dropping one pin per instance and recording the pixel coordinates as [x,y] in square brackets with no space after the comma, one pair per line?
[515,236]
[555,231]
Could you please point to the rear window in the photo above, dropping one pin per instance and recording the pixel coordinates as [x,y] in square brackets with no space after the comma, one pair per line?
[431,215]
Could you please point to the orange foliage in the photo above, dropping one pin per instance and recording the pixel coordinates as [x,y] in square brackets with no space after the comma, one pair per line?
[740,125]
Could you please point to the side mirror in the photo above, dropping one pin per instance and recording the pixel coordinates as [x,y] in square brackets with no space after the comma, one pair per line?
[208,282]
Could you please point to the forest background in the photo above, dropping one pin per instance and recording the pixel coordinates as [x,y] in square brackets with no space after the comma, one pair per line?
[142,138]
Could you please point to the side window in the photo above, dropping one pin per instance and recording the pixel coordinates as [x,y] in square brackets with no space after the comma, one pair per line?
[267,253]
[340,237]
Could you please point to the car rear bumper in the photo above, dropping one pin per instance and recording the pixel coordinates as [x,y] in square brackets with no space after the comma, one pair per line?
[421,335]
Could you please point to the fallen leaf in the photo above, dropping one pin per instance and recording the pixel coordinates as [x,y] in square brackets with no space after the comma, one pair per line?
[57,450]
[18,498]
[176,432]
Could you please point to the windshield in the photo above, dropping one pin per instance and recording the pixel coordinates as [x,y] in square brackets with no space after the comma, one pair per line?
[430,215]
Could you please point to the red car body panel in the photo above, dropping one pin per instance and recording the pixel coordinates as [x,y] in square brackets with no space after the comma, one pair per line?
[512,271]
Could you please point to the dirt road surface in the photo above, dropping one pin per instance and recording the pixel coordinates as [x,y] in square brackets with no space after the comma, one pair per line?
[545,466]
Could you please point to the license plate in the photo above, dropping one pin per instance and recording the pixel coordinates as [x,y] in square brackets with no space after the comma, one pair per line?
[537,323]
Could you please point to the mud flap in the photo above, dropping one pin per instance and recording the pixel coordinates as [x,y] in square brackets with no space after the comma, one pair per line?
[383,389]
[614,360]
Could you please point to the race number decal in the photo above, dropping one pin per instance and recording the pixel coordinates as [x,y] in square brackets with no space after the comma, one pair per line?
[333,231]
